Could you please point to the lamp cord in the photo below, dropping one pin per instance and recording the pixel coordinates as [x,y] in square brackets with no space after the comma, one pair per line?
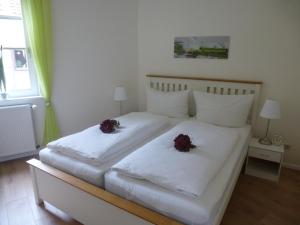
[268,126]
[120,108]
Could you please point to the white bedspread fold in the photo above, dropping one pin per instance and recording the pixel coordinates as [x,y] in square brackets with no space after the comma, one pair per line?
[95,147]
[186,172]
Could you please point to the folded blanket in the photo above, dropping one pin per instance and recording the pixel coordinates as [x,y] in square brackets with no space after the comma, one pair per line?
[95,147]
[186,172]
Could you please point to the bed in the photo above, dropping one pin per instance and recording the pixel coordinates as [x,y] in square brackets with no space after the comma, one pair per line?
[198,211]
[93,173]
[99,206]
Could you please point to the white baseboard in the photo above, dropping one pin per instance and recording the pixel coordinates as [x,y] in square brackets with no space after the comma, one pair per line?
[22,155]
[291,166]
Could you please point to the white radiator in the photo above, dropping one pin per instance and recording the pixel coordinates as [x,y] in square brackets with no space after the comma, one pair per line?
[17,136]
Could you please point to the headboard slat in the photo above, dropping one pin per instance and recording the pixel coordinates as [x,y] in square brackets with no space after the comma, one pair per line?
[222,91]
[208,89]
[215,90]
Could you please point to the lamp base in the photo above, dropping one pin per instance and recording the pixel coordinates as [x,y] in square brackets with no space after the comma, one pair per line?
[265,141]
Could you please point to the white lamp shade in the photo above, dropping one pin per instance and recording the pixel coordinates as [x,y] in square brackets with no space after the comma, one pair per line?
[120,94]
[270,110]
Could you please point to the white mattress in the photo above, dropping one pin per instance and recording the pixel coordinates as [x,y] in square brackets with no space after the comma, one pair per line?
[90,173]
[186,209]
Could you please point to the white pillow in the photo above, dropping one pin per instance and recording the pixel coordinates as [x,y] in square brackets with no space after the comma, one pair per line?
[223,110]
[172,104]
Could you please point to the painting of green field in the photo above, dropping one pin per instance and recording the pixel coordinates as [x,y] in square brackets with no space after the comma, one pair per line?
[211,47]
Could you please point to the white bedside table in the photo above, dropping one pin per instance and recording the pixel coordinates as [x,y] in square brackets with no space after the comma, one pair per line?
[264,161]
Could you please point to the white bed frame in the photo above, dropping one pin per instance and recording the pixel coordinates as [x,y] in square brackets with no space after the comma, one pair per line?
[92,205]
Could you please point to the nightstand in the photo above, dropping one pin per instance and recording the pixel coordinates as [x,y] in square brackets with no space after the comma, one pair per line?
[264,161]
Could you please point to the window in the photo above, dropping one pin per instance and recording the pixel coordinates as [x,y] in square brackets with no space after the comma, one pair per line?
[18,68]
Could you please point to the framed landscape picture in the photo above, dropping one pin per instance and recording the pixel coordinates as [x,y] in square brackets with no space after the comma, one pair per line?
[209,47]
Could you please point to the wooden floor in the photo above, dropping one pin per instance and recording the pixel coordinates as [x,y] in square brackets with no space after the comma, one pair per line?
[254,202]
[261,202]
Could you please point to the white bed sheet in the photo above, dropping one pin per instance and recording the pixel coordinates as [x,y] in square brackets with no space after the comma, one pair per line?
[92,173]
[187,173]
[196,211]
[95,147]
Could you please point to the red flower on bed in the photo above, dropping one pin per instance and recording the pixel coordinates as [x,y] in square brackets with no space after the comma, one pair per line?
[183,143]
[107,126]
[116,123]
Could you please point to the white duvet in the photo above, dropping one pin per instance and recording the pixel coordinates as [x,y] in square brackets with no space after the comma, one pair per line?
[95,147]
[186,172]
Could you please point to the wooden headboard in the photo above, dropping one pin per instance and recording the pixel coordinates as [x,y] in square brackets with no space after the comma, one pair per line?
[210,85]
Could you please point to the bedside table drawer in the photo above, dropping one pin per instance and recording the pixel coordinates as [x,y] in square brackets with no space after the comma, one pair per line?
[264,154]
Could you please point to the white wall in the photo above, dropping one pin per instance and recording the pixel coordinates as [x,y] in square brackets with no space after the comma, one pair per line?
[264,46]
[95,49]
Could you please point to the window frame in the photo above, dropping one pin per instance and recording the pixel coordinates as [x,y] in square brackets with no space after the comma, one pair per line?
[34,91]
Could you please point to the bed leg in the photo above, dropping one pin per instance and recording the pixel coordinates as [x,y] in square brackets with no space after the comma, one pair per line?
[37,198]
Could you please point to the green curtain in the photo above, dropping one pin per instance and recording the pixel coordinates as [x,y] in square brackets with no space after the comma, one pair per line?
[2,75]
[38,24]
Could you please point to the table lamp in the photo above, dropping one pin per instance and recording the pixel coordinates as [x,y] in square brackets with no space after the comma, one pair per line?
[270,111]
[120,95]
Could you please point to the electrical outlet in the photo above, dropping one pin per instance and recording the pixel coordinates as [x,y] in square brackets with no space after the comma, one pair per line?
[287,147]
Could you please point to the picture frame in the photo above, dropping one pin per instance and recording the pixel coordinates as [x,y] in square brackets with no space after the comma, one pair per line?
[207,47]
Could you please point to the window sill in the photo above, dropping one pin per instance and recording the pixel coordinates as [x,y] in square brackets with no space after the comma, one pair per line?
[20,100]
